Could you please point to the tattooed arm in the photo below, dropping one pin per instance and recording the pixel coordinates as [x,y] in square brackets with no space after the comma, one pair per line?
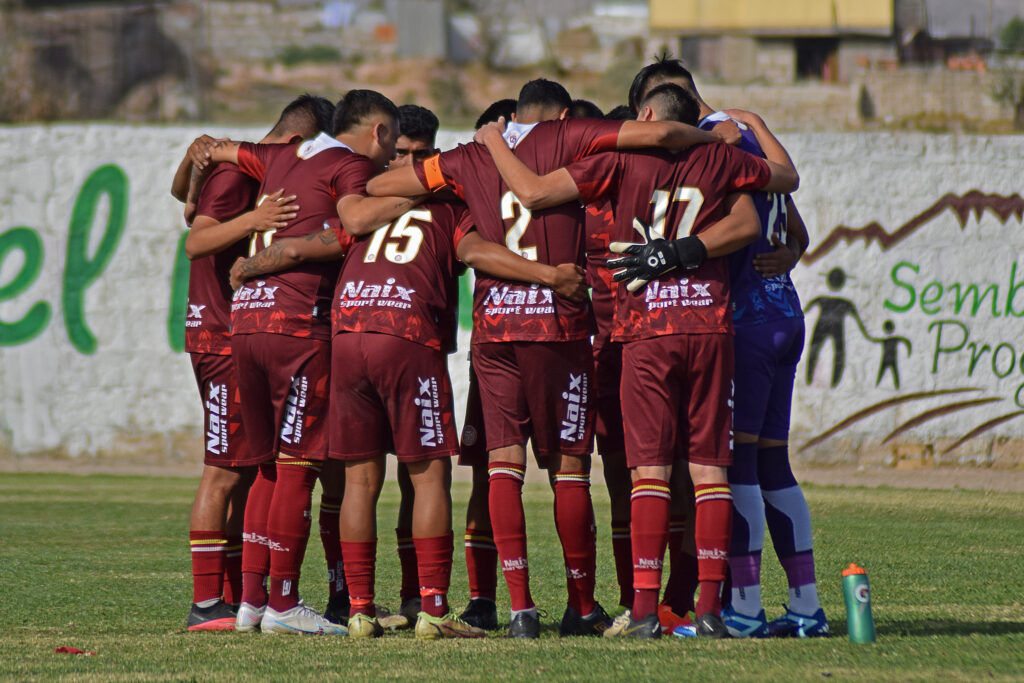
[361,215]
[288,253]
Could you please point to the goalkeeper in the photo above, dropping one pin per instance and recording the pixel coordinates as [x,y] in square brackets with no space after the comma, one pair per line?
[674,321]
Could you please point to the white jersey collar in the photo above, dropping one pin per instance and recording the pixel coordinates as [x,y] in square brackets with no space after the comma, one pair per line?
[515,132]
[310,148]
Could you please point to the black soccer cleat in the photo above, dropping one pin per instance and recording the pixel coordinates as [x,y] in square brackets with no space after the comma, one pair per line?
[524,625]
[337,608]
[594,624]
[710,625]
[217,617]
[481,613]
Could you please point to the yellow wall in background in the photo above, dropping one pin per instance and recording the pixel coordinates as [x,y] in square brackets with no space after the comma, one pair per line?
[776,16]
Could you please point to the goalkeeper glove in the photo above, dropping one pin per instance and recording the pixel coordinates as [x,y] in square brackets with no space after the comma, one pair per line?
[655,256]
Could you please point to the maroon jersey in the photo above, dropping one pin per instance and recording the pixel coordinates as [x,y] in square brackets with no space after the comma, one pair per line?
[400,279]
[225,194]
[600,223]
[677,194]
[505,310]
[318,172]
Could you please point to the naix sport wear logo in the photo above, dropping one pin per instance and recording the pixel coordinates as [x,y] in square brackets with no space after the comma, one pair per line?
[682,292]
[291,428]
[258,296]
[574,424]
[216,405]
[428,402]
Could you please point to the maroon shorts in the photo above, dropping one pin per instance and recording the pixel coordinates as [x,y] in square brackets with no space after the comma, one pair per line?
[389,394]
[284,385]
[677,399]
[541,390]
[224,442]
[473,444]
[608,406]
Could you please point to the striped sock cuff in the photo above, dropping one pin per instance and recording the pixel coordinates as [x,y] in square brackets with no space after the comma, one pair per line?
[404,537]
[208,545]
[620,529]
[478,539]
[657,488]
[331,506]
[506,469]
[572,478]
[706,492]
[299,462]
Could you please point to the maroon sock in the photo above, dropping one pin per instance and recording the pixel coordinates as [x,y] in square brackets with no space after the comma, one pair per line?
[574,519]
[330,538]
[288,529]
[360,559]
[650,503]
[207,564]
[481,563]
[407,560]
[622,551]
[713,531]
[255,547]
[435,572]
[682,577]
[233,570]
[505,501]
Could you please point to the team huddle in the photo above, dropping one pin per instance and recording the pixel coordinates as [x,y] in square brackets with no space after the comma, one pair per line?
[631,283]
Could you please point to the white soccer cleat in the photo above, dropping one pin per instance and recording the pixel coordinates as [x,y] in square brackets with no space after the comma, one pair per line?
[248,618]
[302,620]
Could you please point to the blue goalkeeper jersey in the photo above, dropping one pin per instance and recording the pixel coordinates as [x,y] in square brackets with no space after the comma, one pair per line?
[756,300]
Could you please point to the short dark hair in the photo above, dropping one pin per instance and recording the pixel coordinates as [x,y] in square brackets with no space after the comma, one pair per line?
[306,114]
[418,123]
[673,103]
[620,113]
[663,68]
[541,92]
[354,108]
[585,109]
[505,108]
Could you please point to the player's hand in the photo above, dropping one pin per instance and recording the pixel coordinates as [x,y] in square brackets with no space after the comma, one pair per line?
[728,132]
[655,256]
[570,282]
[235,277]
[273,211]
[494,128]
[772,263]
[747,118]
[199,150]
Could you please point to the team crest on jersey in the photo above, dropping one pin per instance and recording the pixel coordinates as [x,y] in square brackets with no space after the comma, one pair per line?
[682,292]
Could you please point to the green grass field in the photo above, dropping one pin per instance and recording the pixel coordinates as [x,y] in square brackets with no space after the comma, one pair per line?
[101,563]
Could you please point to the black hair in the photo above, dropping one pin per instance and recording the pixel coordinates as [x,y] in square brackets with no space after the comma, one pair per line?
[664,67]
[354,108]
[418,123]
[306,115]
[620,113]
[497,109]
[541,92]
[673,103]
[585,109]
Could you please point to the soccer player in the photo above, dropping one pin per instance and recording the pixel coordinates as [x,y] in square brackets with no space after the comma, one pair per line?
[769,340]
[675,328]
[222,221]
[281,342]
[531,352]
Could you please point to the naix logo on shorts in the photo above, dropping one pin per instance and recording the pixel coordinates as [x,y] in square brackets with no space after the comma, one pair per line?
[291,429]
[217,424]
[429,403]
[574,424]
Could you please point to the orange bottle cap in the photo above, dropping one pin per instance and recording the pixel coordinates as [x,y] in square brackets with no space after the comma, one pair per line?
[853,569]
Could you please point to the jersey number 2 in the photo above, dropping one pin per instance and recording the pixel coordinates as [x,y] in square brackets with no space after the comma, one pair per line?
[514,236]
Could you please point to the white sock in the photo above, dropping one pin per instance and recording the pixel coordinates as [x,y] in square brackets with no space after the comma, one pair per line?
[747,600]
[207,603]
[532,611]
[804,599]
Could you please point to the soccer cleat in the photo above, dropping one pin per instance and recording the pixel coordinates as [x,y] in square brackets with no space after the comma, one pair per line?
[448,626]
[249,617]
[742,626]
[594,624]
[337,608]
[793,625]
[709,625]
[524,625]
[625,626]
[217,617]
[299,619]
[669,620]
[411,609]
[362,626]
[482,613]
[405,618]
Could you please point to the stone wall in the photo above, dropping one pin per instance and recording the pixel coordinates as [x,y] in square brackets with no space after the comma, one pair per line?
[914,269]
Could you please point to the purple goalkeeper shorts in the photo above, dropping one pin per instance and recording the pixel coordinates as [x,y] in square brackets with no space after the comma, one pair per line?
[766,358]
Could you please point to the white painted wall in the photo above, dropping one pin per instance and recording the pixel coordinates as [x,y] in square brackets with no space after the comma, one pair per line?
[133,388]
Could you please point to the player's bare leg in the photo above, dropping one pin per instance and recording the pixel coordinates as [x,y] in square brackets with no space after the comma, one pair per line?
[363,482]
[713,530]
[506,473]
[332,481]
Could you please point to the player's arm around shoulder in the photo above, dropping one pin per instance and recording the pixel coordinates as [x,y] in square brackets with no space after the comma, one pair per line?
[665,134]
[784,176]
[533,191]
[567,280]
[738,228]
[211,236]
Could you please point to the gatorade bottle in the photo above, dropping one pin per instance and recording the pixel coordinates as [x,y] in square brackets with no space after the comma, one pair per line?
[859,621]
